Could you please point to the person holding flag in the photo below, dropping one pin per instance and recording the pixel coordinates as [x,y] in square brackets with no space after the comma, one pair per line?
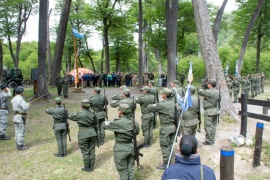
[210,104]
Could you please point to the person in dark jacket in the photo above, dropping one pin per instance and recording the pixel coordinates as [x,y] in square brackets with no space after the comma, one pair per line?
[188,163]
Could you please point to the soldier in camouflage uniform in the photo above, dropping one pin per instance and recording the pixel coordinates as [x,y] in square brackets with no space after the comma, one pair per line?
[253,80]
[180,90]
[126,99]
[166,110]
[147,116]
[59,85]
[247,85]
[19,107]
[257,85]
[60,126]
[243,85]
[119,96]
[190,117]
[210,103]
[65,84]
[262,81]
[153,89]
[236,86]
[124,147]
[98,103]
[87,134]
[229,86]
[4,95]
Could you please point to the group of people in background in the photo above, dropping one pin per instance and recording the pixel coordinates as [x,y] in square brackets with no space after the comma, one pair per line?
[251,85]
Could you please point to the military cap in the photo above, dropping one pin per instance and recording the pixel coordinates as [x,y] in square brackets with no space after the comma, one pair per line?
[176,82]
[146,89]
[3,86]
[125,108]
[19,89]
[57,100]
[85,103]
[126,92]
[166,91]
[152,82]
[192,89]
[123,87]
[97,89]
[212,81]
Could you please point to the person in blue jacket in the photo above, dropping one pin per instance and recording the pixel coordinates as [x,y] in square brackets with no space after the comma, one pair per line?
[188,163]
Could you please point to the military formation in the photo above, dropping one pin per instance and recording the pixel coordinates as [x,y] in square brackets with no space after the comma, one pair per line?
[252,85]
[92,118]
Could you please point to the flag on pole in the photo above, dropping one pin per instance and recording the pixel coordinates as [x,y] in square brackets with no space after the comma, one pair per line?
[76,33]
[227,69]
[236,68]
[190,75]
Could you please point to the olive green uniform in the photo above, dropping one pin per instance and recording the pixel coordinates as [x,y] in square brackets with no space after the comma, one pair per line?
[262,82]
[210,103]
[126,100]
[253,85]
[98,103]
[65,83]
[166,110]
[236,86]
[87,135]
[60,128]
[124,147]
[59,85]
[230,87]
[147,117]
[190,118]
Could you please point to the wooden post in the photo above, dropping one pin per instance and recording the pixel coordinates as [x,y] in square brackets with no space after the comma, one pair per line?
[243,115]
[258,145]
[265,109]
[226,163]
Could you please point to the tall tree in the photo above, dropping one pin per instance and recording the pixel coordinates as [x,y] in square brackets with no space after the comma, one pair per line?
[210,55]
[1,60]
[171,29]
[140,73]
[42,43]
[247,34]
[61,35]
[14,17]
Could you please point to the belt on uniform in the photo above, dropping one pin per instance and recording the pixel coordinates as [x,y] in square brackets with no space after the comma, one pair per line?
[123,142]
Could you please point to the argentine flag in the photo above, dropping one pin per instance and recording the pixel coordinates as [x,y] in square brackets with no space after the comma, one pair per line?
[236,68]
[76,33]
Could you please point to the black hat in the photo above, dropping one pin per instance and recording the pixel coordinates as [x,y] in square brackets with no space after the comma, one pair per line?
[19,89]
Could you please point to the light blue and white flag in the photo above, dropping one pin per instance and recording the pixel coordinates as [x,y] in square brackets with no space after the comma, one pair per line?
[236,68]
[227,69]
[76,33]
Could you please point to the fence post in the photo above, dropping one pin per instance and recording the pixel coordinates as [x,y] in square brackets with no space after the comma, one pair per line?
[226,163]
[265,109]
[258,145]
[243,115]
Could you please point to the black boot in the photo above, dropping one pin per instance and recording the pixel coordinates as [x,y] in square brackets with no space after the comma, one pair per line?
[21,147]
[162,167]
[91,168]
[4,137]
[86,169]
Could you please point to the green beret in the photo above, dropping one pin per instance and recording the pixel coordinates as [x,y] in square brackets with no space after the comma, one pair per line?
[212,81]
[85,103]
[123,87]
[146,89]
[166,91]
[3,86]
[97,89]
[19,89]
[57,100]
[192,89]
[125,108]
[176,82]
[126,92]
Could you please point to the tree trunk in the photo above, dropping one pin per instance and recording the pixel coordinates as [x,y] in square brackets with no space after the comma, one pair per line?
[61,35]
[258,53]
[210,55]
[49,53]
[247,34]
[68,66]
[1,60]
[42,42]
[140,71]
[106,43]
[157,55]
[88,54]
[172,14]
[218,19]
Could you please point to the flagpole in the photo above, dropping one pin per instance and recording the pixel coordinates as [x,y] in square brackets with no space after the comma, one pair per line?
[76,62]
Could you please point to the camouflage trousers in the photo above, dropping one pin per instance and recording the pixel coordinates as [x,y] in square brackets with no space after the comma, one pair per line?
[147,128]
[19,133]
[61,139]
[124,160]
[87,147]
[3,121]
[210,124]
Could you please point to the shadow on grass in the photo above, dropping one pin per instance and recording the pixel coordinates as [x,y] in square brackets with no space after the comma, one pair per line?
[74,147]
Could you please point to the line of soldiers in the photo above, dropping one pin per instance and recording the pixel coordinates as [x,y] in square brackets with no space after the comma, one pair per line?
[251,83]
[62,84]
